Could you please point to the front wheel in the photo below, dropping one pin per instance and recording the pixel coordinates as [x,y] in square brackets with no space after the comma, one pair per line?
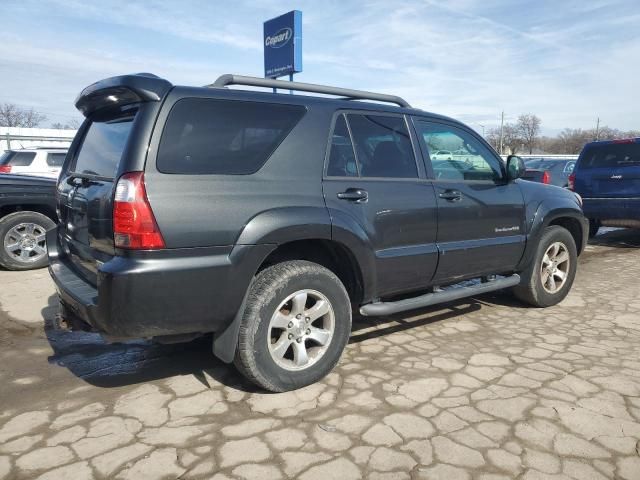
[549,277]
[295,326]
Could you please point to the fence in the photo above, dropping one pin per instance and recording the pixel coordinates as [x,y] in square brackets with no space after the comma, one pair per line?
[14,137]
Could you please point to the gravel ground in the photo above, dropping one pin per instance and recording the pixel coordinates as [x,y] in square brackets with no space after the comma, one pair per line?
[482,388]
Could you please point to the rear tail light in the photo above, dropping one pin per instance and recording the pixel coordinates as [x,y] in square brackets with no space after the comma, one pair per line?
[134,226]
[571,183]
[5,168]
[546,177]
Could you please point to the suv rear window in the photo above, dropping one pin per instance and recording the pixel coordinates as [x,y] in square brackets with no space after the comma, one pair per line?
[102,147]
[613,155]
[223,137]
[17,159]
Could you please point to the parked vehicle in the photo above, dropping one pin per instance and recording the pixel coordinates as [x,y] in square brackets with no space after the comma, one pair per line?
[549,170]
[607,177]
[442,155]
[37,161]
[264,218]
[27,211]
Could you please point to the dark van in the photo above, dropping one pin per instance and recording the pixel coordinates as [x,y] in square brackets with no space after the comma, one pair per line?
[607,176]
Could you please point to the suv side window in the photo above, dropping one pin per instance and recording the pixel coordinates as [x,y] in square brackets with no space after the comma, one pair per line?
[383,146]
[342,160]
[469,159]
[55,159]
[223,137]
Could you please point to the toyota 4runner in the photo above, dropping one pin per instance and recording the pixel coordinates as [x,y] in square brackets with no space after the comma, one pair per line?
[266,218]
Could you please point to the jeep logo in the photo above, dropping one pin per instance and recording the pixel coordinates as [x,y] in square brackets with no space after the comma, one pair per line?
[279,39]
[616,177]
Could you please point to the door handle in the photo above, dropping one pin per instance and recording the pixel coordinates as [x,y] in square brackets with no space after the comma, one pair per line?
[354,194]
[451,195]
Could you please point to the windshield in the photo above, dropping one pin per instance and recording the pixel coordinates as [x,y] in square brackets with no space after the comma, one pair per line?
[614,155]
[102,147]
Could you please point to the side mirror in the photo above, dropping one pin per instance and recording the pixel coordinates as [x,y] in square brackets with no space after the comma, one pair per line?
[515,167]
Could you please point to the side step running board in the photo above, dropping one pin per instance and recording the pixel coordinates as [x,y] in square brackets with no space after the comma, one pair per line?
[379,309]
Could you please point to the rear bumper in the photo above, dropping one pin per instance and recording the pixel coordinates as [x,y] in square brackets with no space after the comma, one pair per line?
[618,209]
[169,292]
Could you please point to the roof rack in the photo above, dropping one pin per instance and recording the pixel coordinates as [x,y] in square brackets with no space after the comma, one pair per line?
[229,79]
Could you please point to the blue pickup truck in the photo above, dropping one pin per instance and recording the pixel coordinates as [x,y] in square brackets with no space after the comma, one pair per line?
[607,177]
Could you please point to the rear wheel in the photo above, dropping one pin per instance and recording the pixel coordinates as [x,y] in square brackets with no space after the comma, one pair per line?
[295,325]
[594,226]
[23,240]
[549,277]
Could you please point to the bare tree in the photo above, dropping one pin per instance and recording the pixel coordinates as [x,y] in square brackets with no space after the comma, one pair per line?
[72,124]
[12,115]
[511,140]
[528,129]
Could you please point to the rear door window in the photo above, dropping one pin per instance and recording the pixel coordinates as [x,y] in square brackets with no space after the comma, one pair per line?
[17,159]
[613,155]
[102,147]
[55,159]
[207,136]
[383,146]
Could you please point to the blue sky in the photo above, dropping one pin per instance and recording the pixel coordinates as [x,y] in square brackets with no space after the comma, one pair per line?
[568,61]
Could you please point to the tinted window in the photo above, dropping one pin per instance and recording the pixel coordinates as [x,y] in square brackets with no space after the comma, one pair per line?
[383,146]
[223,137]
[612,155]
[472,160]
[17,159]
[102,147]
[558,166]
[55,159]
[342,160]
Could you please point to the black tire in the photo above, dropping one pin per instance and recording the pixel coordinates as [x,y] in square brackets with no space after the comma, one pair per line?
[531,289]
[594,226]
[11,259]
[270,288]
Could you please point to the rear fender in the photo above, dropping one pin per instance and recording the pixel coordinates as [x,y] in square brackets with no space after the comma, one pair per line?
[284,225]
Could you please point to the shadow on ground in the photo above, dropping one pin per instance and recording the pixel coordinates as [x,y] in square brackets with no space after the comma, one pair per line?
[89,357]
[617,238]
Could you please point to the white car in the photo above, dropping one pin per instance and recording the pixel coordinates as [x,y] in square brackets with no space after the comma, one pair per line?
[37,161]
[442,155]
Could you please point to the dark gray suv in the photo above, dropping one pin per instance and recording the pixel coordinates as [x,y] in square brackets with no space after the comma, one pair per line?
[265,218]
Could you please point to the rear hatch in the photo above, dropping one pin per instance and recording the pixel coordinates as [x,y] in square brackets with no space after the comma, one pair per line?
[85,194]
[113,140]
[609,170]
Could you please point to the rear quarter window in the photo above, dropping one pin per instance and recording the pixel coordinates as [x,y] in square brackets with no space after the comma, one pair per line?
[17,159]
[224,137]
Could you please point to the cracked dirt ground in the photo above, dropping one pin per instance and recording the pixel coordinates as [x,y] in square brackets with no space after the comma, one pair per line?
[483,388]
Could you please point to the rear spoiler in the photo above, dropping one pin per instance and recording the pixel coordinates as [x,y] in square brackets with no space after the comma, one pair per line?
[122,90]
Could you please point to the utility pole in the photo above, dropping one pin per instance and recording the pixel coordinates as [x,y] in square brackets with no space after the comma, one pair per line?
[501,131]
[598,129]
